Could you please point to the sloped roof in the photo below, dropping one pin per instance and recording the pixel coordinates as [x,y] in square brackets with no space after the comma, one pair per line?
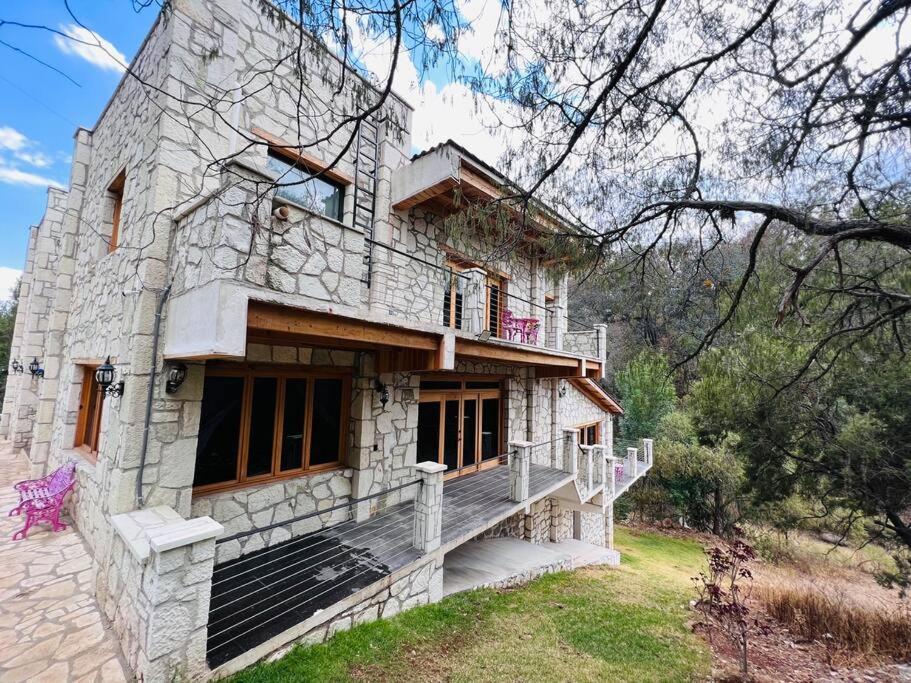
[596,393]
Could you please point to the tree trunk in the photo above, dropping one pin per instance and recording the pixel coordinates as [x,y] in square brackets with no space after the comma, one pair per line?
[716,512]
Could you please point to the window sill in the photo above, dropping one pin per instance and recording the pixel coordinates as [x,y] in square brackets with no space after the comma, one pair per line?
[316,214]
[211,489]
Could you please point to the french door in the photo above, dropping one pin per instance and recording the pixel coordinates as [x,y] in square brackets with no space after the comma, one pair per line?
[461,429]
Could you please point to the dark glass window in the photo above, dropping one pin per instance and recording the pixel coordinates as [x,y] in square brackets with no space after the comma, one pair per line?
[327,420]
[219,430]
[469,431]
[295,411]
[493,323]
[262,426]
[441,384]
[482,385]
[451,435]
[254,425]
[428,432]
[490,428]
[297,185]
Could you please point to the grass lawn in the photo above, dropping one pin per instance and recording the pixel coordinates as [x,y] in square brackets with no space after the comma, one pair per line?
[626,624]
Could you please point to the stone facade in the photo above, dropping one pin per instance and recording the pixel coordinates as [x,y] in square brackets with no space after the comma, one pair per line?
[197,242]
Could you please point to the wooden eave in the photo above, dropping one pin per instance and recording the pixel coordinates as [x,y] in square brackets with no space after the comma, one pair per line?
[593,391]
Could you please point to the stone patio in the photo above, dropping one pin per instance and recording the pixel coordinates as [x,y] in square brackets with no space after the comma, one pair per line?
[51,628]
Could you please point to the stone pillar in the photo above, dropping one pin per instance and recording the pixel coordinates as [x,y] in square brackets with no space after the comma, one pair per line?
[428,506]
[519,470]
[601,341]
[588,464]
[647,445]
[609,435]
[609,526]
[632,457]
[474,298]
[158,589]
[570,446]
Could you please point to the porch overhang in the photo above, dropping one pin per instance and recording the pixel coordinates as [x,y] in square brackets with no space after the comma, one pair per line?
[400,348]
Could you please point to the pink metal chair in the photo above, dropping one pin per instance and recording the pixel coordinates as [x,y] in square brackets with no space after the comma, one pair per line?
[618,472]
[530,332]
[511,325]
[42,499]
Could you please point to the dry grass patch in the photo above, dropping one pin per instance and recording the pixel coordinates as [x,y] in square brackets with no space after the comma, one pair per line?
[850,622]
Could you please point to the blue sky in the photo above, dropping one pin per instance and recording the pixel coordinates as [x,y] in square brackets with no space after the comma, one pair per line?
[41,109]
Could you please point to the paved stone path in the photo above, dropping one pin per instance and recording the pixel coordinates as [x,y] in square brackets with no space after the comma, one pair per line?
[51,627]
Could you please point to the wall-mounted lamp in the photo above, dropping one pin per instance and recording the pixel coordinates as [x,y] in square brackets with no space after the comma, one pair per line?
[484,336]
[16,366]
[561,390]
[104,375]
[177,373]
[35,368]
[383,391]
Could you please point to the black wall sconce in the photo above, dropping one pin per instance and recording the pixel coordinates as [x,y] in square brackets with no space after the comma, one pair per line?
[16,366]
[104,375]
[35,368]
[561,390]
[383,391]
[177,373]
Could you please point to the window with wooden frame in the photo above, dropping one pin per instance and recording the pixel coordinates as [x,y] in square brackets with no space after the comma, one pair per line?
[258,424]
[494,298]
[88,421]
[589,434]
[115,199]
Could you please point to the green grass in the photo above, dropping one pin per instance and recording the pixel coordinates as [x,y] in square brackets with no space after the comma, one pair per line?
[626,624]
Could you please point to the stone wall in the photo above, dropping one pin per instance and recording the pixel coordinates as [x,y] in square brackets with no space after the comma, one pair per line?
[157,590]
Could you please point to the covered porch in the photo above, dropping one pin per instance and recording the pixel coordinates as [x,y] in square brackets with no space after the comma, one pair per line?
[261,596]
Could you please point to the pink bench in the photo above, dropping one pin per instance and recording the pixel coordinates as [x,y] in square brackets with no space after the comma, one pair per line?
[42,499]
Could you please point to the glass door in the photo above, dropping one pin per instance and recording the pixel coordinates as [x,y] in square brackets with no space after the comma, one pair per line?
[460,429]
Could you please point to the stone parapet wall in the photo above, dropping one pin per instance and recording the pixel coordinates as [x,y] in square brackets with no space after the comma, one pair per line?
[156,592]
[254,507]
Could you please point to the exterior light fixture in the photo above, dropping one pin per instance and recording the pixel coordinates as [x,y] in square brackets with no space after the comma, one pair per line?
[561,390]
[177,373]
[35,368]
[484,336]
[104,375]
[16,366]
[383,391]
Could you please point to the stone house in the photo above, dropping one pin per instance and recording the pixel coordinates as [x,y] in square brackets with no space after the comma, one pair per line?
[320,388]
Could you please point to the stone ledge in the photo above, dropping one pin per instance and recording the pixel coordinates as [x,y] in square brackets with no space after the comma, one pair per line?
[161,528]
[185,532]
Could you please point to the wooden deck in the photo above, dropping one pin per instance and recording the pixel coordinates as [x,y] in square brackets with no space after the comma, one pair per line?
[256,597]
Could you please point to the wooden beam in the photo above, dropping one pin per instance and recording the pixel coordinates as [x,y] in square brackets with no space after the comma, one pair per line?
[494,352]
[298,155]
[405,360]
[427,193]
[328,329]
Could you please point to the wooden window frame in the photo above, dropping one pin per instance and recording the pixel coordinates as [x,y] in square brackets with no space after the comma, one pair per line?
[584,427]
[458,265]
[88,435]
[282,374]
[115,193]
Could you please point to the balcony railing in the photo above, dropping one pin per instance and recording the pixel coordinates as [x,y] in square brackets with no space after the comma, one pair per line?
[416,289]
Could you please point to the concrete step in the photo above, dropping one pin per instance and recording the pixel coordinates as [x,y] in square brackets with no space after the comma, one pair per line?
[585,554]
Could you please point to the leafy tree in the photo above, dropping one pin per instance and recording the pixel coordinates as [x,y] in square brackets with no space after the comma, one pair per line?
[647,394]
[7,323]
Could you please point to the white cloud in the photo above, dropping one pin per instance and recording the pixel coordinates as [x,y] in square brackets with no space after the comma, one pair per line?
[15,176]
[12,139]
[8,279]
[91,47]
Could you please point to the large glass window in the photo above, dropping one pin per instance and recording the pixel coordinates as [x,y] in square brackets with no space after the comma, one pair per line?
[259,424]
[296,184]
